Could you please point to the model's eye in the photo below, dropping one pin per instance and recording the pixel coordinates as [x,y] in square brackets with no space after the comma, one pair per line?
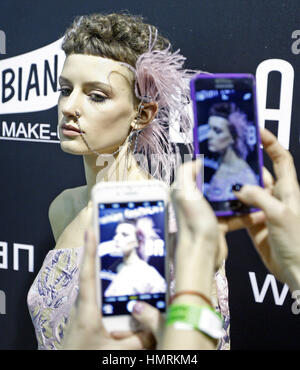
[97,98]
[217,130]
[64,91]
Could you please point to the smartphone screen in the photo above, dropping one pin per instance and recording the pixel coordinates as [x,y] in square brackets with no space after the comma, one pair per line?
[132,251]
[226,132]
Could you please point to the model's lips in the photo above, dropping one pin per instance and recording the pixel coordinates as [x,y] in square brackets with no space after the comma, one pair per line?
[69,130]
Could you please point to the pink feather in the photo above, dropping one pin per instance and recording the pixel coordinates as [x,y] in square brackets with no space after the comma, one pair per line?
[160,77]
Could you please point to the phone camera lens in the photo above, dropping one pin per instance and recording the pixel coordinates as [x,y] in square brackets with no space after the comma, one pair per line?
[237,187]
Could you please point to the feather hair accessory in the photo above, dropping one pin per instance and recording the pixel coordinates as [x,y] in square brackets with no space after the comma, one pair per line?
[160,77]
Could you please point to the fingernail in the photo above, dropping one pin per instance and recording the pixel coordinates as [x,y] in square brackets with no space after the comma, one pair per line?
[198,165]
[138,308]
[236,187]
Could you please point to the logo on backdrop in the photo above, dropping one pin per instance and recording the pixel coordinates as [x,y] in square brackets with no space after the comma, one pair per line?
[279,297]
[284,112]
[25,251]
[270,281]
[29,83]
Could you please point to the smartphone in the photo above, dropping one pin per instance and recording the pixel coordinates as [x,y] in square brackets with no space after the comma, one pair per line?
[226,132]
[132,262]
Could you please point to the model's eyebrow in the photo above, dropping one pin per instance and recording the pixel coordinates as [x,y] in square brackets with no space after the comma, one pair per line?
[103,86]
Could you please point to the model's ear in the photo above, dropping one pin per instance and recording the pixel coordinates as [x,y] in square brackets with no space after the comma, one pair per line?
[146,113]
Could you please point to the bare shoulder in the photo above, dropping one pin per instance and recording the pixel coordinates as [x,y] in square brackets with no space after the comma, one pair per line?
[64,208]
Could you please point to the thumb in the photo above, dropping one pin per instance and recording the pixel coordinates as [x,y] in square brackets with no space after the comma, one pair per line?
[150,317]
[87,296]
[260,198]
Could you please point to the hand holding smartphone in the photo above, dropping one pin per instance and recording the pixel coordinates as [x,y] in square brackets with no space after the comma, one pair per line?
[130,224]
[226,131]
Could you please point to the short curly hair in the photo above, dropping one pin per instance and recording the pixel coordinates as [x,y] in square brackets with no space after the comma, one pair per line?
[121,37]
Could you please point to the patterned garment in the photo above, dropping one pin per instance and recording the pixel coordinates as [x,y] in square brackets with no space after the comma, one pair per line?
[220,300]
[220,187]
[52,295]
[55,290]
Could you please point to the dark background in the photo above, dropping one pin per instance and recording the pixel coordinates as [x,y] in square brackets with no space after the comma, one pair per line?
[214,35]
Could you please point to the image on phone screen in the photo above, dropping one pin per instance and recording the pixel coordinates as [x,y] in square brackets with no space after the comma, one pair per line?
[132,252]
[227,134]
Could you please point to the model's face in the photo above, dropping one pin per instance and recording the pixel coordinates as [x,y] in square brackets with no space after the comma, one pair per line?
[125,238]
[219,136]
[100,90]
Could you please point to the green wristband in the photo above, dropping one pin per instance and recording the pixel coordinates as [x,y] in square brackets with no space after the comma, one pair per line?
[194,317]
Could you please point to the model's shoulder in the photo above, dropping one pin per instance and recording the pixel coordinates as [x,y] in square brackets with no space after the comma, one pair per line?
[65,199]
[64,207]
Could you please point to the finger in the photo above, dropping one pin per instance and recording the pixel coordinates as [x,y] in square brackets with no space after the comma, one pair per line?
[289,193]
[282,160]
[268,180]
[121,334]
[287,187]
[185,182]
[259,197]
[182,189]
[228,224]
[149,317]
[259,235]
[87,279]
[222,251]
[141,340]
[254,218]
[186,196]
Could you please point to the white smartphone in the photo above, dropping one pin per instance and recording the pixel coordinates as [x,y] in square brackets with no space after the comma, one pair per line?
[130,221]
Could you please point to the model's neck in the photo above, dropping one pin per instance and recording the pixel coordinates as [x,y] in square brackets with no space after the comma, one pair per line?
[229,156]
[131,258]
[101,168]
[119,167]
[91,168]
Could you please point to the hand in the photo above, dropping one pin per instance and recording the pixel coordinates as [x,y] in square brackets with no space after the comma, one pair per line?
[201,248]
[234,223]
[198,251]
[276,238]
[85,329]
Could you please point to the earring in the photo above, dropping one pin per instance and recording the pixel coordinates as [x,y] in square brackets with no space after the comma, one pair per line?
[139,111]
[137,133]
[133,133]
